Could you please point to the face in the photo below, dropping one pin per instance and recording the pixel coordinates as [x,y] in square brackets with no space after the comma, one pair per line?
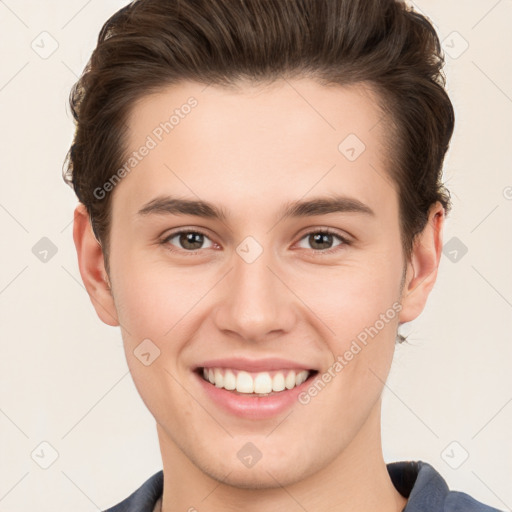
[294,263]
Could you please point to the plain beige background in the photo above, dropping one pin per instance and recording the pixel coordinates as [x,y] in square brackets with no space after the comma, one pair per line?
[64,379]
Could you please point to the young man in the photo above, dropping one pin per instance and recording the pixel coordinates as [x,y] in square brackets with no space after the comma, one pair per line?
[260,209]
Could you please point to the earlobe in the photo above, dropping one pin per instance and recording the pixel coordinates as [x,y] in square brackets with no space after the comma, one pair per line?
[92,267]
[423,265]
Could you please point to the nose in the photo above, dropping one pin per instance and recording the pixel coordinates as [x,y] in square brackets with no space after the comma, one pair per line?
[255,303]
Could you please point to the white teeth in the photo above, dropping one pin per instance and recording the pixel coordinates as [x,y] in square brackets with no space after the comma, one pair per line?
[290,380]
[219,378]
[263,383]
[257,383]
[300,378]
[229,380]
[244,383]
[278,382]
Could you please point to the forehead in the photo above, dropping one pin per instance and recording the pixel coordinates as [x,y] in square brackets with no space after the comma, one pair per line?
[302,107]
[256,143]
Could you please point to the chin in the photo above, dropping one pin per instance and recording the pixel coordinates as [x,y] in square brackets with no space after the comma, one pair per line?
[254,478]
[270,467]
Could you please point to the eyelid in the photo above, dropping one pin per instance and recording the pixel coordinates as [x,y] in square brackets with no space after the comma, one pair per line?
[346,240]
[331,231]
[164,240]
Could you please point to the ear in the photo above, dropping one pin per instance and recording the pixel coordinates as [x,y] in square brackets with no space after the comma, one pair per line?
[423,264]
[92,268]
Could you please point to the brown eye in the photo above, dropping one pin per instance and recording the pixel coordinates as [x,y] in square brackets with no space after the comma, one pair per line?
[322,240]
[187,240]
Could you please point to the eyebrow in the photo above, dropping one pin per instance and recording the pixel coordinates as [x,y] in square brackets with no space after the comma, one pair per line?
[168,205]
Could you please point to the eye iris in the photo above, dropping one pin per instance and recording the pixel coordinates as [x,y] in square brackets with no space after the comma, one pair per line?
[320,238]
[191,238]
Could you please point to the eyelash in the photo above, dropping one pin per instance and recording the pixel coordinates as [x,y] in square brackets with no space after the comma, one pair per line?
[345,241]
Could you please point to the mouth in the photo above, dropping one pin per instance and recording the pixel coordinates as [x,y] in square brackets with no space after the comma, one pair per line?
[255,384]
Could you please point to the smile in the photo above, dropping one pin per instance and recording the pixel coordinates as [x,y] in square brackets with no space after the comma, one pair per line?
[257,384]
[253,388]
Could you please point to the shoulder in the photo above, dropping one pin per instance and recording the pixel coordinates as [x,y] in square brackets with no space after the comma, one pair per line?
[427,490]
[144,498]
[462,502]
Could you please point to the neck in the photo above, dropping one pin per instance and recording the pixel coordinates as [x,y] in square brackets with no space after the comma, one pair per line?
[356,480]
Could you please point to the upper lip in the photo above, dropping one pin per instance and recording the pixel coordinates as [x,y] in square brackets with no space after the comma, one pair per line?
[254,365]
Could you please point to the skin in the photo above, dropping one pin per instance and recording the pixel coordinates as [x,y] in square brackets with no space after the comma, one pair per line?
[250,151]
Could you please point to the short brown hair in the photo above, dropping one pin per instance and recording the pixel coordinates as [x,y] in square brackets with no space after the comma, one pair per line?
[151,44]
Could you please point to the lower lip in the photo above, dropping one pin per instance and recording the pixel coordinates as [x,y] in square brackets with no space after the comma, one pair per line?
[250,406]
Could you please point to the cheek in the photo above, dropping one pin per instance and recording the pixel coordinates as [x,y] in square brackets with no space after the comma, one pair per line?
[349,298]
[141,310]
[151,299]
